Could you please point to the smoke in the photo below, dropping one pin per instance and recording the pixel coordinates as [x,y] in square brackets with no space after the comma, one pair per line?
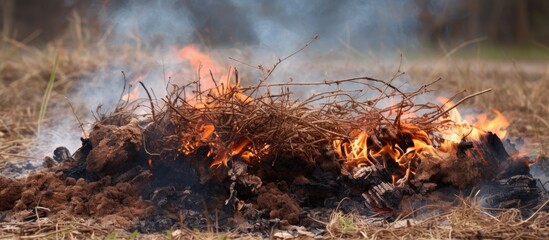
[261,32]
[271,25]
[166,21]
[267,30]
[363,25]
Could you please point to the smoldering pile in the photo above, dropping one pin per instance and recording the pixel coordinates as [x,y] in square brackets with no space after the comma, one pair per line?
[250,157]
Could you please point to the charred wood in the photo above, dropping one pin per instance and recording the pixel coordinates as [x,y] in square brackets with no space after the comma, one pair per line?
[128,175]
[62,154]
[518,191]
[49,162]
[384,198]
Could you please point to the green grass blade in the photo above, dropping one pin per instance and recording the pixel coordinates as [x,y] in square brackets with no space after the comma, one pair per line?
[47,94]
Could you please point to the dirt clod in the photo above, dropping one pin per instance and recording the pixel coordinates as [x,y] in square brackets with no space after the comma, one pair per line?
[279,204]
[113,148]
[10,192]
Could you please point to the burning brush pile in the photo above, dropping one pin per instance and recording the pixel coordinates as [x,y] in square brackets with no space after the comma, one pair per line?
[217,153]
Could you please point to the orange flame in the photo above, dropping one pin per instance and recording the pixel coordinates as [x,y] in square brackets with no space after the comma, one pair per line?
[394,177]
[497,125]
[135,90]
[216,87]
[202,63]
[239,146]
[204,133]
[207,131]
[480,125]
[357,153]
[247,156]
[224,156]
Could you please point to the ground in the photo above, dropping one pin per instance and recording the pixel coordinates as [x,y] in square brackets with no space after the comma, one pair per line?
[519,90]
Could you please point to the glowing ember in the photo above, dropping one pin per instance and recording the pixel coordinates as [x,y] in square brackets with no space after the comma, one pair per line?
[247,156]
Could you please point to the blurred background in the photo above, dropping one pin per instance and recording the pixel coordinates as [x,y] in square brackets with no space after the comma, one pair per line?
[519,25]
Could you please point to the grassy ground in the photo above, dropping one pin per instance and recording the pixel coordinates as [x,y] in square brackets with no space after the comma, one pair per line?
[480,48]
[24,78]
[519,91]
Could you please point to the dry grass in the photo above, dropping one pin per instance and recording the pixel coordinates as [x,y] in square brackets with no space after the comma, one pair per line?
[466,221]
[44,229]
[24,76]
[80,229]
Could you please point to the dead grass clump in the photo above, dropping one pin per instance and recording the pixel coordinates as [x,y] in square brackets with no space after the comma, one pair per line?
[468,220]
[251,122]
[45,229]
[80,229]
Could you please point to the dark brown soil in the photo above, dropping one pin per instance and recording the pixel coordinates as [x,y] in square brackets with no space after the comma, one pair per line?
[279,204]
[113,148]
[65,198]
[10,191]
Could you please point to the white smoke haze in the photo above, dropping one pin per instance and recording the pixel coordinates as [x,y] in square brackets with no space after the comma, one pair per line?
[168,20]
[354,38]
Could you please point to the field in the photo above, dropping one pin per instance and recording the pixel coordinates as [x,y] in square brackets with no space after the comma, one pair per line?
[35,80]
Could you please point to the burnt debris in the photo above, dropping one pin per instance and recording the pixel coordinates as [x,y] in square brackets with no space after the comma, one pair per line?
[226,160]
